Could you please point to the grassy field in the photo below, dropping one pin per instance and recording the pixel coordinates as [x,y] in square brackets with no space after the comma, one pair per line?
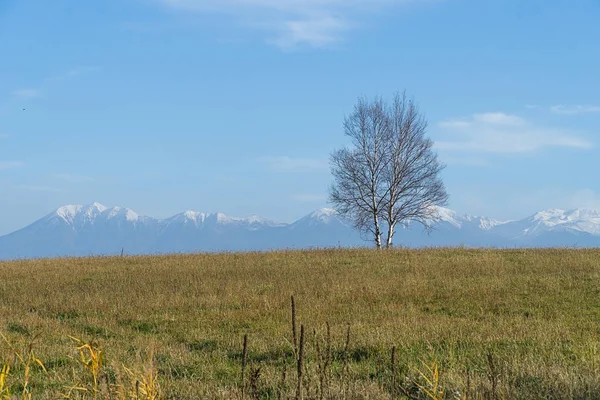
[493,323]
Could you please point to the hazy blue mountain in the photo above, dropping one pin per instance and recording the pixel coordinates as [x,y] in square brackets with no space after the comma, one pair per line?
[97,230]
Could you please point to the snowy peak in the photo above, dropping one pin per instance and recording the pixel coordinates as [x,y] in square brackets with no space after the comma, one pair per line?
[486,223]
[224,219]
[73,213]
[581,220]
[446,215]
[557,216]
[219,219]
[67,213]
[554,219]
[251,221]
[441,215]
[584,213]
[322,216]
[88,214]
[95,208]
[123,213]
[483,223]
[457,220]
[189,216]
[548,215]
[95,229]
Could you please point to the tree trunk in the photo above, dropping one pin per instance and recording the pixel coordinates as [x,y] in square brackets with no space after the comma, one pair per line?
[377,232]
[390,220]
[390,235]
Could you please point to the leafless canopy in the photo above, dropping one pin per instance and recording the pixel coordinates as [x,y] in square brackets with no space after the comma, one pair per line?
[389,175]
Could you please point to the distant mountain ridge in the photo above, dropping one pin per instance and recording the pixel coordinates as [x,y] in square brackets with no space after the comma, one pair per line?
[76,230]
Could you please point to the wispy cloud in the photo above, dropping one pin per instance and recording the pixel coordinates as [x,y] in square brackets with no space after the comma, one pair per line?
[454,124]
[317,32]
[50,82]
[492,119]
[72,73]
[82,70]
[297,164]
[498,118]
[585,198]
[464,161]
[503,133]
[4,165]
[27,94]
[574,109]
[291,23]
[39,188]
[565,109]
[72,178]
[309,198]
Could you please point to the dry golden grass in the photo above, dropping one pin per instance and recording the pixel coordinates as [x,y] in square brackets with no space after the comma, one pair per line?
[492,323]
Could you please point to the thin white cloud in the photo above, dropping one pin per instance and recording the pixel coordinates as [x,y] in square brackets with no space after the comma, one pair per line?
[4,165]
[321,32]
[50,83]
[309,198]
[503,133]
[454,124]
[464,161]
[500,201]
[72,73]
[574,109]
[285,163]
[72,178]
[492,118]
[554,197]
[498,118]
[83,70]
[585,198]
[26,94]
[292,23]
[564,109]
[39,188]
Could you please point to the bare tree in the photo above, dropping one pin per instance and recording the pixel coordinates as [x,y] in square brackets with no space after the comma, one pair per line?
[390,175]
[412,174]
[359,171]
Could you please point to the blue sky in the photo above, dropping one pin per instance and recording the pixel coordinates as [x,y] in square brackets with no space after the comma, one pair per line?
[235,105]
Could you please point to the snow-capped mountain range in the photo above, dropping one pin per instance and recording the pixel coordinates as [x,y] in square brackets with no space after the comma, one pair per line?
[97,230]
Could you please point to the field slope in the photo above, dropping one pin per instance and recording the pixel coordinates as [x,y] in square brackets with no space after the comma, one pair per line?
[495,323]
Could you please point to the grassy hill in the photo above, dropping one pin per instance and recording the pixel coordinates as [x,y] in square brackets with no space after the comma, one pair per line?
[492,323]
